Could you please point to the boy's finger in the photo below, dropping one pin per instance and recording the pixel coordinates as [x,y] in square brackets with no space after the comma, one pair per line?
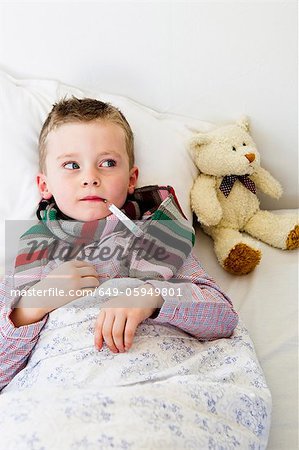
[87,282]
[98,337]
[118,331]
[87,271]
[130,330]
[107,331]
[79,263]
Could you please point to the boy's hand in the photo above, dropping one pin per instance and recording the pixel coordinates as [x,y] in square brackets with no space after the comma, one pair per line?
[71,278]
[116,325]
[75,275]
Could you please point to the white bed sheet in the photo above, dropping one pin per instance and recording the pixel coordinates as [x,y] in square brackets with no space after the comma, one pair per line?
[267,302]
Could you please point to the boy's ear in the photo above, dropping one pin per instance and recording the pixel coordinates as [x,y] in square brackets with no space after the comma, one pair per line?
[133,179]
[42,186]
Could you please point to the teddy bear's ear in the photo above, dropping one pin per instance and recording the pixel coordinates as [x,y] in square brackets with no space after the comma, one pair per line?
[243,122]
[196,141]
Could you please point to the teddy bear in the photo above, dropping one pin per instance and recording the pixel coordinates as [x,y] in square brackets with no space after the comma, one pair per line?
[225,201]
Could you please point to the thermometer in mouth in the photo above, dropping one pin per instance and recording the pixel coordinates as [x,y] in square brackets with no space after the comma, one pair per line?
[124,219]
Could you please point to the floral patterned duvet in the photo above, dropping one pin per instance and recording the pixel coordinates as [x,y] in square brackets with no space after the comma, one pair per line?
[170,391]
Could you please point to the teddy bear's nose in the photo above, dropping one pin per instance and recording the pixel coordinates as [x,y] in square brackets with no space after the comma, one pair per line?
[250,157]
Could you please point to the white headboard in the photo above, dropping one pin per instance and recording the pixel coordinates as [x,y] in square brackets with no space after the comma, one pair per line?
[211,60]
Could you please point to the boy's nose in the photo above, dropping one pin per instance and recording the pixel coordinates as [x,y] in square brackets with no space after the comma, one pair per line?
[91,180]
[94,182]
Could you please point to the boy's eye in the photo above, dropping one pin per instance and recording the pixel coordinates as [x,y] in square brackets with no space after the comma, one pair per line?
[108,163]
[71,166]
[234,149]
[244,144]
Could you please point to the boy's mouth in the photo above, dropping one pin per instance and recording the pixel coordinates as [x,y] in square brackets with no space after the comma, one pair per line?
[93,198]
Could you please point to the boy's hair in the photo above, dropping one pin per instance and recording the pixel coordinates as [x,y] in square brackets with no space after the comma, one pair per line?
[74,109]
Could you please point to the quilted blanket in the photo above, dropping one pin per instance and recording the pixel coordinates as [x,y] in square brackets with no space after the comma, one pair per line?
[169,391]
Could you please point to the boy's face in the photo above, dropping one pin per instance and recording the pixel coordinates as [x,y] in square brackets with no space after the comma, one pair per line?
[86,163]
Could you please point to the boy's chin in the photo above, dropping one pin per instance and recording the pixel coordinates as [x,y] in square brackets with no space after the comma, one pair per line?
[92,217]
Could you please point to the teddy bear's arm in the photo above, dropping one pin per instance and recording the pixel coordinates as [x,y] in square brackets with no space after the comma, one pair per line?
[204,201]
[266,183]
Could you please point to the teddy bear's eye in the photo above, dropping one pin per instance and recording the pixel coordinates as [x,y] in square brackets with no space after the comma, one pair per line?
[234,149]
[244,143]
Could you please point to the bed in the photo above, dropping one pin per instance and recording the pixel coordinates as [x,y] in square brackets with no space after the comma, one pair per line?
[266,299]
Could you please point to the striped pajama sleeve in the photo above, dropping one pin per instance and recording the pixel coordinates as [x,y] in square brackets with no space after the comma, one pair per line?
[202,310]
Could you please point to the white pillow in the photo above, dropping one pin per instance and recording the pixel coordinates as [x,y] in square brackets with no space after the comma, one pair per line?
[160,143]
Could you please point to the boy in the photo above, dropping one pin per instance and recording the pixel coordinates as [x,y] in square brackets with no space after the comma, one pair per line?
[87,168]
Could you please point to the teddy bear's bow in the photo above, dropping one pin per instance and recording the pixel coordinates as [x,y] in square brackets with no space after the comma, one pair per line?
[229,180]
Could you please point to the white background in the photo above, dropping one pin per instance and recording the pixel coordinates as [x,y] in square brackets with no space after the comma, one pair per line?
[211,60]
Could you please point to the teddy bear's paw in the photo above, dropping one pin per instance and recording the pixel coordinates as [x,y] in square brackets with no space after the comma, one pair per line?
[242,259]
[292,241]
